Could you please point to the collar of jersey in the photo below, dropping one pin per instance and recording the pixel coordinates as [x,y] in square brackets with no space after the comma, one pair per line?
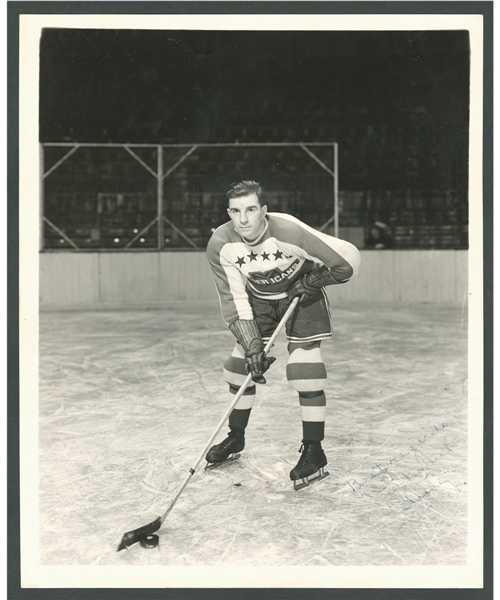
[255,242]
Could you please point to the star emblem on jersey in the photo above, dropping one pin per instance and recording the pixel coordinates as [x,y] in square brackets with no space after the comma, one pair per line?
[240,261]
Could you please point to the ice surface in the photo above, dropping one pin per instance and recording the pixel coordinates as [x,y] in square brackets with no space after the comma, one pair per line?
[128,399]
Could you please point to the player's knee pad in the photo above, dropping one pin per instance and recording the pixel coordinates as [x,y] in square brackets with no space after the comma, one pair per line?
[235,367]
[247,398]
[305,369]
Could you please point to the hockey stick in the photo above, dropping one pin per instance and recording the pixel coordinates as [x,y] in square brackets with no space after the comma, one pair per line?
[131,537]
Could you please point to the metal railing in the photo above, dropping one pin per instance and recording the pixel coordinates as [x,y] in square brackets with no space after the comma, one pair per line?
[160,174]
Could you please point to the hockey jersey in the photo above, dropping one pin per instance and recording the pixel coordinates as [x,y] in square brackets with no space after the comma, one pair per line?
[268,266]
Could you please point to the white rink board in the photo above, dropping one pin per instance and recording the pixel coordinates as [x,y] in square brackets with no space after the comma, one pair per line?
[75,280]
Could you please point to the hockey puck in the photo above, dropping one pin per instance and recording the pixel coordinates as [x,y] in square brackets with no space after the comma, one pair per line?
[149,541]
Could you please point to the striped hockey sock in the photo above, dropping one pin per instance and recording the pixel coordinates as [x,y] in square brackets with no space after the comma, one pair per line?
[235,374]
[239,416]
[306,373]
[313,409]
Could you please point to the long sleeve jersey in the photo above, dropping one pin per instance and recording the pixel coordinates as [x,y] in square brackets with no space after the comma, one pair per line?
[268,266]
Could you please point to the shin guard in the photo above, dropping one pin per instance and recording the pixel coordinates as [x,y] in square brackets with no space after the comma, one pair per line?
[235,374]
[306,373]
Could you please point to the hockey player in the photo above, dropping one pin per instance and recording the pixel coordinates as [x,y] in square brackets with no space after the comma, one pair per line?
[260,262]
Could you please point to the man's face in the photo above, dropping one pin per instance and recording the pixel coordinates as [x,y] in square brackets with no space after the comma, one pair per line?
[248,216]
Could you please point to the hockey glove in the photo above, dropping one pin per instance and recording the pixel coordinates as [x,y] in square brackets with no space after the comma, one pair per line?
[248,335]
[309,284]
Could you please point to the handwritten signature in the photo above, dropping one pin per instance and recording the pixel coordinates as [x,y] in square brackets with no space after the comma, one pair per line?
[409,502]
[421,458]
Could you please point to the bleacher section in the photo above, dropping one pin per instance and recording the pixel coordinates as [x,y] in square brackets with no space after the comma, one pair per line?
[102,197]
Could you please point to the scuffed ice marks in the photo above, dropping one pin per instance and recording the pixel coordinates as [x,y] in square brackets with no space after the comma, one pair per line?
[129,398]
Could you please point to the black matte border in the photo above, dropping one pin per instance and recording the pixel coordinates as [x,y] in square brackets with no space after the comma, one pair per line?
[14,10]
[251,7]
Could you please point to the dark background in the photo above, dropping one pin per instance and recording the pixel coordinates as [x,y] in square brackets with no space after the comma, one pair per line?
[397,103]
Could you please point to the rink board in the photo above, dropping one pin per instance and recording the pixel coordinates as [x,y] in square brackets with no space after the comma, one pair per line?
[76,280]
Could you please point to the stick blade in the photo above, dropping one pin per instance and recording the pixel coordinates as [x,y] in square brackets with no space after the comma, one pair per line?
[131,537]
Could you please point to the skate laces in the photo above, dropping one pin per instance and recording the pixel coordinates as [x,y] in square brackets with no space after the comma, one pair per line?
[305,449]
[230,437]
[235,432]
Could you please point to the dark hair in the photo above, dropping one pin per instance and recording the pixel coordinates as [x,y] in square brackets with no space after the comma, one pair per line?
[245,188]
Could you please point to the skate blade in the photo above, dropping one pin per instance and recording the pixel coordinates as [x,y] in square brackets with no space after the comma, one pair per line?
[307,481]
[230,458]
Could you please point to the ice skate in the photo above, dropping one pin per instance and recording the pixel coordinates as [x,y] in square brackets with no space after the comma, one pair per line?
[311,462]
[228,450]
